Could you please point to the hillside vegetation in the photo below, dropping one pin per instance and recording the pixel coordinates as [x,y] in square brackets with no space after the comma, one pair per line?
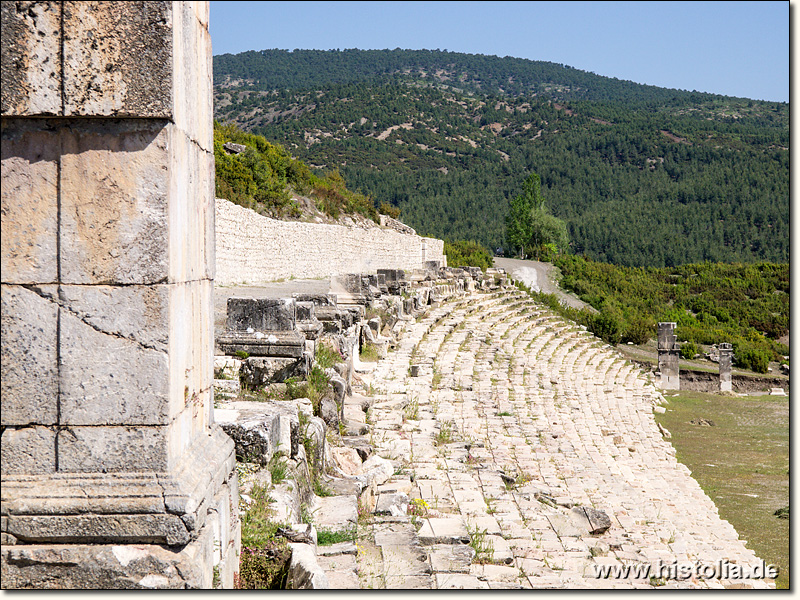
[744,304]
[642,176]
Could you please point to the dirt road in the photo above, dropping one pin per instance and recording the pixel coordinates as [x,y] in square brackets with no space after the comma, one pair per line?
[538,276]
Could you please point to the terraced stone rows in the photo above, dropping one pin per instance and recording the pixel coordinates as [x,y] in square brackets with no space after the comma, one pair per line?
[514,417]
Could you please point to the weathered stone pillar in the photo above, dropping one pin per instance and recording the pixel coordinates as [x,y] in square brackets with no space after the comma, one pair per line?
[668,357]
[725,367]
[113,472]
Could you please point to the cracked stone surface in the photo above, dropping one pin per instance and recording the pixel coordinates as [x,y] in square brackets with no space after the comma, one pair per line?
[513,421]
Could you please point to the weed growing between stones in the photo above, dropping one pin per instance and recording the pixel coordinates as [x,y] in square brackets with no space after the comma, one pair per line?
[278,470]
[437,379]
[328,537]
[411,410]
[369,352]
[484,549]
[327,356]
[446,433]
[264,561]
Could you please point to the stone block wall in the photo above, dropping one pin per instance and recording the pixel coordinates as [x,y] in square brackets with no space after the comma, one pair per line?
[253,249]
[107,290]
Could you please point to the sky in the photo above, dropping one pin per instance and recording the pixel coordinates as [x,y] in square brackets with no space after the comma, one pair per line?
[730,48]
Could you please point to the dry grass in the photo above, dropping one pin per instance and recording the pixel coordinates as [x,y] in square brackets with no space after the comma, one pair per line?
[742,463]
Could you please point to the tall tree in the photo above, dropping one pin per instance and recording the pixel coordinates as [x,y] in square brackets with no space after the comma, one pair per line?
[530,228]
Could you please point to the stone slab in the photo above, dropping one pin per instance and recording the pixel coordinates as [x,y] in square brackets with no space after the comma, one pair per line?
[29,199]
[29,381]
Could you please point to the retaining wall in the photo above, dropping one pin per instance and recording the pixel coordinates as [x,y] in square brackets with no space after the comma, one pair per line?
[252,249]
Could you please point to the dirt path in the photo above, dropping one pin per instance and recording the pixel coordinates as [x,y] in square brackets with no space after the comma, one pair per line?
[539,277]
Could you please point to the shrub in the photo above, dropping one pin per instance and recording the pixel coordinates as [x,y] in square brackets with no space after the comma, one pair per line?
[462,253]
[688,350]
[638,330]
[390,210]
[751,357]
[607,325]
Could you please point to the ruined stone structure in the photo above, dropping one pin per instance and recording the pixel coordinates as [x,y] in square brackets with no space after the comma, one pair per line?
[725,362]
[113,472]
[252,249]
[668,355]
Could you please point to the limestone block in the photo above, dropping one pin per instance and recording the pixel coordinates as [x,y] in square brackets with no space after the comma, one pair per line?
[594,520]
[28,334]
[278,344]
[28,450]
[137,313]
[191,209]
[114,187]
[336,513]
[191,348]
[29,200]
[376,469]
[304,571]
[161,528]
[105,379]
[261,429]
[30,59]
[261,314]
[258,371]
[191,55]
[112,449]
[116,71]
[76,567]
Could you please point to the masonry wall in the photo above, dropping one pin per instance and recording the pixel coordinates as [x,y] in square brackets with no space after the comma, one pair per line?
[107,433]
[251,248]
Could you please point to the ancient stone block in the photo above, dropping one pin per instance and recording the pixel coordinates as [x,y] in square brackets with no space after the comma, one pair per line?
[136,313]
[112,449]
[316,299]
[28,450]
[30,59]
[278,344]
[304,311]
[193,113]
[257,371]
[105,379]
[162,528]
[131,65]
[29,381]
[62,566]
[29,201]
[191,356]
[191,215]
[261,314]
[261,429]
[114,185]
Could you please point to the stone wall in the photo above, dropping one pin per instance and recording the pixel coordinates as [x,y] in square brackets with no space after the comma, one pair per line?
[108,437]
[252,249]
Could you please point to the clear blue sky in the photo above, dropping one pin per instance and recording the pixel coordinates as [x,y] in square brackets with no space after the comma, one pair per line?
[732,48]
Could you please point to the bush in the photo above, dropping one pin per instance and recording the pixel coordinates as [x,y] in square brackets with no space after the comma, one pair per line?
[638,330]
[607,325]
[390,210]
[462,253]
[750,357]
[688,350]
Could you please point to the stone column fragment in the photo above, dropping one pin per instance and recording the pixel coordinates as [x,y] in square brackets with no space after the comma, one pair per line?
[725,364]
[668,357]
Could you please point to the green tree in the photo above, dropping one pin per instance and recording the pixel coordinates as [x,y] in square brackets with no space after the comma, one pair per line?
[530,228]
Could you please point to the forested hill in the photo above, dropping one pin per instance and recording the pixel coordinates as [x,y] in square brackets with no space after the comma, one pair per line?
[641,175]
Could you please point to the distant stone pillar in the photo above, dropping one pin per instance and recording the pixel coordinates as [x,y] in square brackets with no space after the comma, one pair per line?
[725,367]
[113,472]
[668,357]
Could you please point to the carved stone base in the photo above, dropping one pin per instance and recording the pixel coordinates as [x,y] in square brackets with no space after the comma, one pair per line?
[81,524]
